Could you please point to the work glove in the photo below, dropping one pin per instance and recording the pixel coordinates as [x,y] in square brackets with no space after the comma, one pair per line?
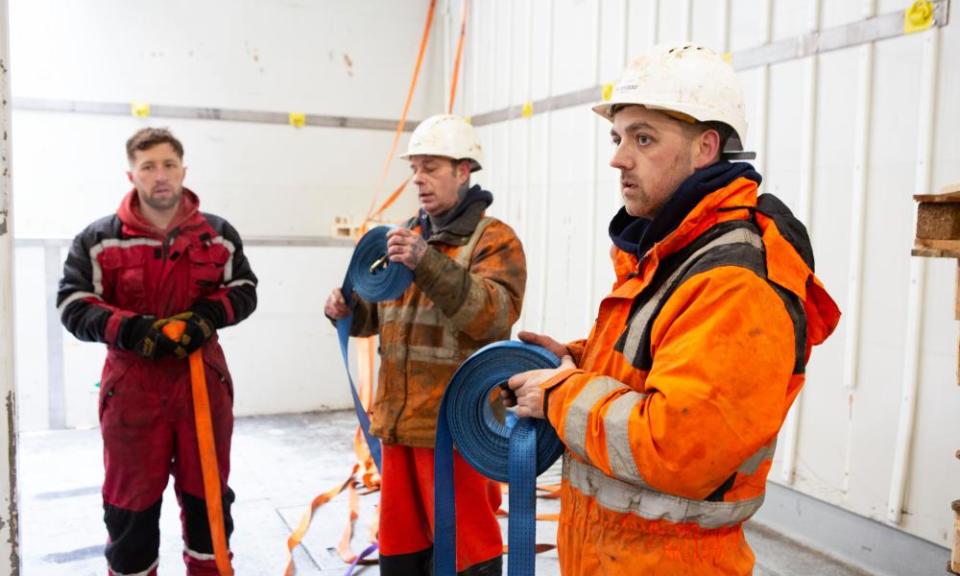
[197,330]
[143,334]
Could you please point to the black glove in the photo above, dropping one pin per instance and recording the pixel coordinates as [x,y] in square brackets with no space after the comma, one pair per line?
[143,334]
[197,330]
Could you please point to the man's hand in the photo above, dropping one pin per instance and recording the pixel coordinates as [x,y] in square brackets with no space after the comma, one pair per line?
[143,334]
[406,247]
[525,392]
[336,307]
[196,331]
[544,341]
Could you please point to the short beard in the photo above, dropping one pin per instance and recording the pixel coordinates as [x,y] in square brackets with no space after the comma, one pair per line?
[162,205]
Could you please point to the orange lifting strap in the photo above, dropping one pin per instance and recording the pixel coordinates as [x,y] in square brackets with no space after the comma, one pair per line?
[208,450]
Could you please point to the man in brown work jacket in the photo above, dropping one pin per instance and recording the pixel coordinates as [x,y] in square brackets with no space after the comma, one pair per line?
[469,278]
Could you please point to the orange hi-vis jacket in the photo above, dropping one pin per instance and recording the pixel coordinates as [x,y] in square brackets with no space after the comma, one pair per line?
[671,419]
[467,292]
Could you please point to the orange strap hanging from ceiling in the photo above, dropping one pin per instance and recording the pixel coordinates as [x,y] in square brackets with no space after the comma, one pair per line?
[454,81]
[406,107]
[459,57]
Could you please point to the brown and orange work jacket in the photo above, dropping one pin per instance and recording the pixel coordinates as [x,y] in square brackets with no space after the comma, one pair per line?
[467,292]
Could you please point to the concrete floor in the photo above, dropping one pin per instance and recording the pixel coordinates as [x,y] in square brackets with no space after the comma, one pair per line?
[279,464]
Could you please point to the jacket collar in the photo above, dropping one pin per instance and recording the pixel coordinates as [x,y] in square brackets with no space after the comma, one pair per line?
[639,235]
[133,219]
[464,218]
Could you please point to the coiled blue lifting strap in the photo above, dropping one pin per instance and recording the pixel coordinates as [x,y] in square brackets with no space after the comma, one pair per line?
[515,451]
[386,281]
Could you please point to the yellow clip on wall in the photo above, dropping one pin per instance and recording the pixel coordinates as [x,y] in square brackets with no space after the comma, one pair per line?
[140,109]
[297,119]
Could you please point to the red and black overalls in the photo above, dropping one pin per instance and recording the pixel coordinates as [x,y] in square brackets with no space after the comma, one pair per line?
[119,267]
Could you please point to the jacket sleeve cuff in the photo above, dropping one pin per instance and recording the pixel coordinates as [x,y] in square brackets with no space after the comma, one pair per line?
[576,349]
[430,267]
[557,379]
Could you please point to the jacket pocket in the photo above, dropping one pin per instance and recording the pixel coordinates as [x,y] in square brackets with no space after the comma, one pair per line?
[217,371]
[124,275]
[207,267]
[114,369]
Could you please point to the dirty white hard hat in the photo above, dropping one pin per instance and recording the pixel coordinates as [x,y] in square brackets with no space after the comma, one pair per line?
[449,136]
[686,79]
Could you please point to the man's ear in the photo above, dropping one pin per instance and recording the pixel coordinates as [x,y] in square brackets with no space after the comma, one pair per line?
[463,171]
[706,148]
[130,176]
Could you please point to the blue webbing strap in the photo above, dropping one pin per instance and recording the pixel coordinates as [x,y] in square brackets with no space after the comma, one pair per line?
[515,451]
[381,283]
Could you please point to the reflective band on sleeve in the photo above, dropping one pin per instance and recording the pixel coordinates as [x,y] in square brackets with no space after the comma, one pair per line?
[616,425]
[228,267]
[76,296]
[758,458]
[95,251]
[578,413]
[199,555]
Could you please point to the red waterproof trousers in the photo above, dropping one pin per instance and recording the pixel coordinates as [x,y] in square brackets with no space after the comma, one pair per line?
[406,509]
[147,423]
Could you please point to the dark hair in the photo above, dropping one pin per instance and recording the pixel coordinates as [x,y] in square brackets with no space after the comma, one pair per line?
[147,138]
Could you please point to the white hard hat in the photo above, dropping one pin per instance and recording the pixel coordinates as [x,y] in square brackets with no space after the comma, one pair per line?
[689,79]
[446,135]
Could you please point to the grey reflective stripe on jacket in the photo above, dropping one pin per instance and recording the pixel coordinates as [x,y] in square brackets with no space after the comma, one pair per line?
[641,319]
[615,423]
[649,504]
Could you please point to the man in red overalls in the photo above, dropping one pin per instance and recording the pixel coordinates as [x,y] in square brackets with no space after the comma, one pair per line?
[128,274]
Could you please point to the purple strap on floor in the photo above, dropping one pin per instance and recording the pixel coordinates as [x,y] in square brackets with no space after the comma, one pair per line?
[370,550]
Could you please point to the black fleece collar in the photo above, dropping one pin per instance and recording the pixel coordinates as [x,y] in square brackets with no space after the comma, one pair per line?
[636,235]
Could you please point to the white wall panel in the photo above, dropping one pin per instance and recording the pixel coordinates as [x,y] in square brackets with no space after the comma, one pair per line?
[287,357]
[749,20]
[574,44]
[613,27]
[673,24]
[31,341]
[709,22]
[784,152]
[821,452]
[790,18]
[934,472]
[643,28]
[247,54]
[838,12]
[886,271]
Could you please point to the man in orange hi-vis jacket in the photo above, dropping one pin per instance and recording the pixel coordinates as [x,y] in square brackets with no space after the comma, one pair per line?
[670,409]
[469,275]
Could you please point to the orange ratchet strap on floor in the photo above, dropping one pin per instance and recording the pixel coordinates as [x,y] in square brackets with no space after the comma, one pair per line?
[297,536]
[208,450]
